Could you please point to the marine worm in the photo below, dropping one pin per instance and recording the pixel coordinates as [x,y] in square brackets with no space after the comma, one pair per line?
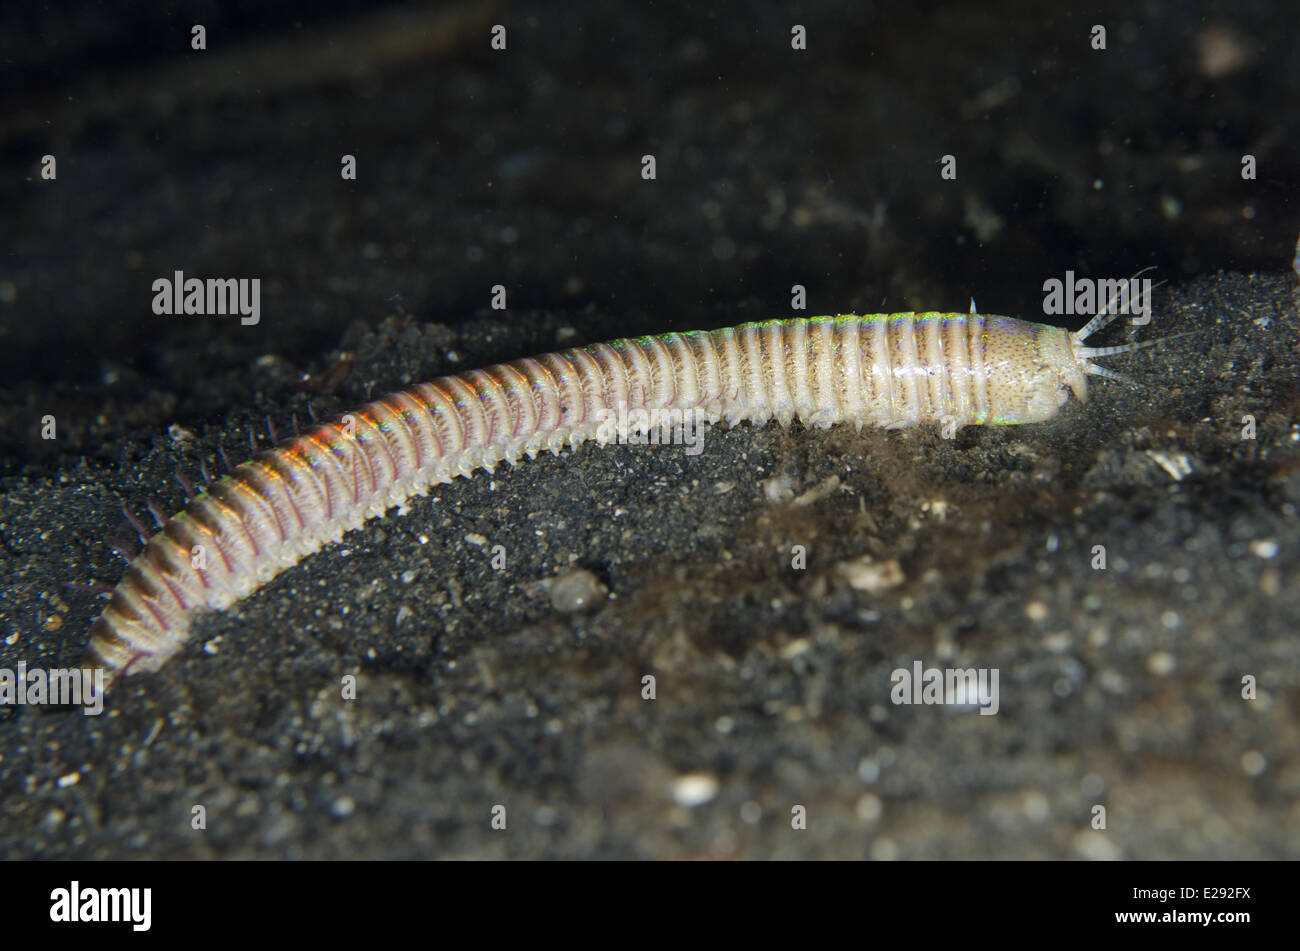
[886,370]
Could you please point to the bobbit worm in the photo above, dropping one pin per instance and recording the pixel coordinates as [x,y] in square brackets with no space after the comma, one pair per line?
[887,370]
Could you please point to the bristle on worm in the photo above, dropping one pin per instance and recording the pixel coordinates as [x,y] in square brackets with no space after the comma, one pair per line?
[887,370]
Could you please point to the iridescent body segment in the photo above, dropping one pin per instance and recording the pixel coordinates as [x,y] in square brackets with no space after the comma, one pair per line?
[886,370]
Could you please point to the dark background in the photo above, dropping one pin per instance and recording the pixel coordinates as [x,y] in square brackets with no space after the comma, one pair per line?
[521,168]
[775,168]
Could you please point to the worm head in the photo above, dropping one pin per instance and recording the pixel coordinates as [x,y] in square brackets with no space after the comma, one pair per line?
[1060,364]
[1032,370]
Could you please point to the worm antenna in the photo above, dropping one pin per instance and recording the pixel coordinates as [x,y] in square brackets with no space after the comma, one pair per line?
[252,444]
[270,428]
[225,459]
[1094,370]
[312,413]
[203,470]
[1090,353]
[1108,313]
[293,418]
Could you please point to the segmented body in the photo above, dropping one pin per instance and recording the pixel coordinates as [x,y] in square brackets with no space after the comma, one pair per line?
[883,370]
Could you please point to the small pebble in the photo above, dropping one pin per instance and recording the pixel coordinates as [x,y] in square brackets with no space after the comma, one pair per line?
[779,488]
[1161,663]
[1096,845]
[869,807]
[1264,548]
[884,850]
[576,590]
[866,574]
[1253,762]
[1036,611]
[694,789]
[1036,806]
[819,491]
